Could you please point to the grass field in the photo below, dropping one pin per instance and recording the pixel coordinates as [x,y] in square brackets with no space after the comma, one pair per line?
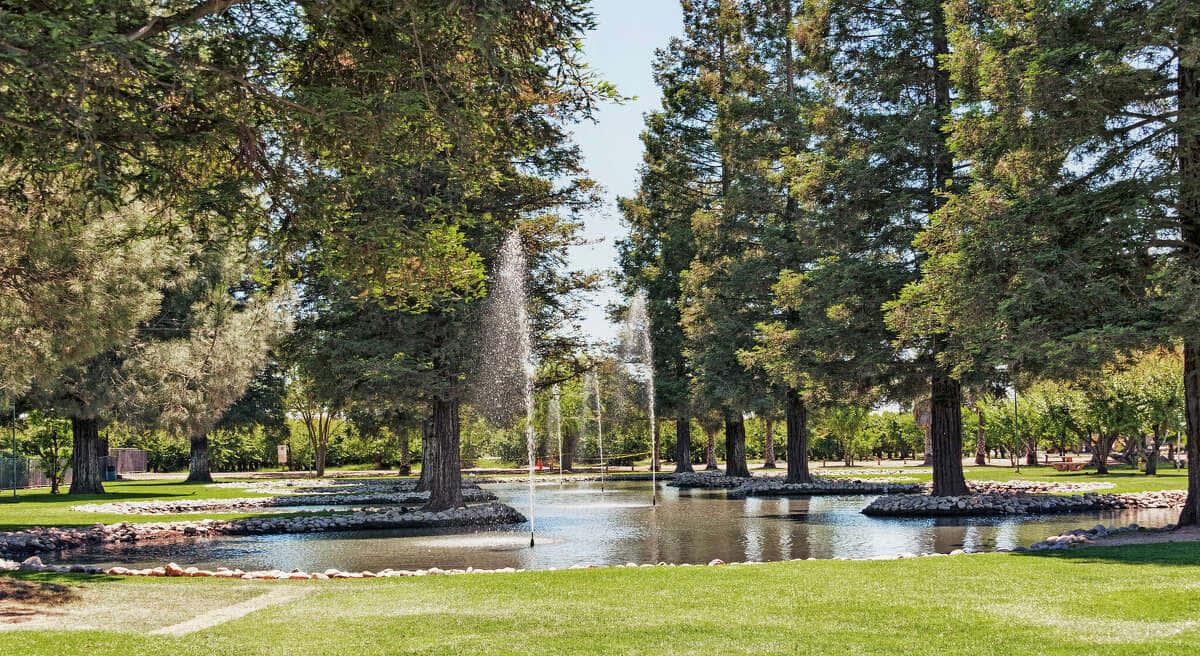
[38,507]
[1119,600]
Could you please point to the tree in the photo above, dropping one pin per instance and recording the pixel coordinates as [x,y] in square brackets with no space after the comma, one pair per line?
[844,422]
[719,318]
[659,244]
[48,438]
[274,116]
[316,415]
[211,340]
[1056,260]
[95,388]
[1153,380]
[69,293]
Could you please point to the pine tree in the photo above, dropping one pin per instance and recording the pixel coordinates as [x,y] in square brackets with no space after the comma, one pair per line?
[1077,237]
[70,292]
[871,176]
[203,350]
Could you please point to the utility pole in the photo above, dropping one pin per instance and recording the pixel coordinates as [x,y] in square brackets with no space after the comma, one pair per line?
[1016,422]
[14,451]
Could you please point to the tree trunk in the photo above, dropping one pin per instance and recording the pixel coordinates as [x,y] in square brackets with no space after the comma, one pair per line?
[200,469]
[1152,453]
[980,438]
[946,436]
[768,444]
[87,459]
[1103,447]
[405,465]
[735,446]
[1190,516]
[928,447]
[1188,91]
[445,476]
[710,451]
[1031,455]
[427,454]
[683,444]
[319,457]
[797,439]
[570,441]
[945,431]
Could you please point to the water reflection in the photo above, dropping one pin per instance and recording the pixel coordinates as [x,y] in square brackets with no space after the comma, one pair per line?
[578,524]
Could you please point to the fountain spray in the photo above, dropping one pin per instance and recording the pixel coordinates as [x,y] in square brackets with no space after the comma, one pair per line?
[556,419]
[639,324]
[513,269]
[599,429]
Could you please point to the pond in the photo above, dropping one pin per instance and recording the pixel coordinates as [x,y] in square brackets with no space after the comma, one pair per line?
[578,524]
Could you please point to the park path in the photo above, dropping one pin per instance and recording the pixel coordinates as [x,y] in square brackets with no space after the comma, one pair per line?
[229,613]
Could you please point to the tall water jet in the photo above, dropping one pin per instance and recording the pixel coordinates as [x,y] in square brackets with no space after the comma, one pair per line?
[639,330]
[595,384]
[510,297]
[556,424]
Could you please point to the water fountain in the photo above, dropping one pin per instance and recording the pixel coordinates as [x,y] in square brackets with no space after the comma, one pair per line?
[595,385]
[556,424]
[639,329]
[510,301]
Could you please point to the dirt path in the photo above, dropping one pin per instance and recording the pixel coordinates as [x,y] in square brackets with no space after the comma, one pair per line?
[229,613]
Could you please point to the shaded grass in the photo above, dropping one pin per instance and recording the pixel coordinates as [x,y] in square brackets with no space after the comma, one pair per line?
[1142,599]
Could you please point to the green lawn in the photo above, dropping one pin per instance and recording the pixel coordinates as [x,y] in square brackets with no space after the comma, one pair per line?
[40,508]
[1124,477]
[1116,600]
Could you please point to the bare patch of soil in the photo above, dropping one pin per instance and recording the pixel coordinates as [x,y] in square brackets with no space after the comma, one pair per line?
[23,601]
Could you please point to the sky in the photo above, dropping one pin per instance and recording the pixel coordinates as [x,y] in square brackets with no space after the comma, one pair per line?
[620,50]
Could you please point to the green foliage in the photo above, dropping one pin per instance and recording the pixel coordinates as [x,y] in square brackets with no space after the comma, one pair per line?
[49,439]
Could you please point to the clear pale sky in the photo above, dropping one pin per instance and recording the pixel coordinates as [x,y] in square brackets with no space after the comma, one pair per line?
[620,50]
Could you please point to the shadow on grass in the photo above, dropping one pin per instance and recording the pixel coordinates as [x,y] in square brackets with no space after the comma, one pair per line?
[77,499]
[1161,553]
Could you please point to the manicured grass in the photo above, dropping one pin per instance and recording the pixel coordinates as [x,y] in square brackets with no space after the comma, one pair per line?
[1118,600]
[1125,478]
[38,507]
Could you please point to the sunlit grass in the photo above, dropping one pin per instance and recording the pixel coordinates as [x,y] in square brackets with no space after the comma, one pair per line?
[1122,600]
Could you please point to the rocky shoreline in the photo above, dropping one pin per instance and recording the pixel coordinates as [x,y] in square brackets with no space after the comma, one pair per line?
[1083,537]
[990,504]
[778,487]
[41,540]
[178,506]
[711,480]
[1068,539]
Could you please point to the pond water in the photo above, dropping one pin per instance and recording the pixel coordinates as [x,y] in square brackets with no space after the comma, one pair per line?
[578,524]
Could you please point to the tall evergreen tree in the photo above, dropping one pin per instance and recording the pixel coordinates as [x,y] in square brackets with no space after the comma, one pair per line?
[1078,237]
[870,177]
[204,349]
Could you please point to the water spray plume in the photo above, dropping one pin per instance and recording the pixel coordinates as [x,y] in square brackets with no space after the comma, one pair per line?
[556,420]
[639,329]
[511,300]
[595,381]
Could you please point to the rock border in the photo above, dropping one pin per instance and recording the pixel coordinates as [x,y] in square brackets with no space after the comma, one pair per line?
[180,506]
[1076,537]
[39,540]
[1005,504]
[777,487]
